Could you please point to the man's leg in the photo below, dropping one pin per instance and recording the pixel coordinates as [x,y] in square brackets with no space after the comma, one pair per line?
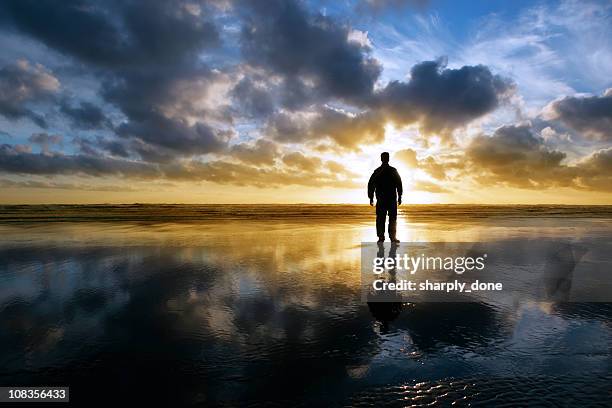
[392,208]
[381,215]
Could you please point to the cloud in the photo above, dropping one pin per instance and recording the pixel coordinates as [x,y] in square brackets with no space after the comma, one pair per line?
[113,34]
[251,93]
[98,145]
[430,187]
[549,48]
[437,168]
[261,152]
[437,99]
[408,157]
[14,160]
[164,110]
[297,66]
[253,97]
[85,115]
[293,169]
[441,99]
[22,83]
[147,61]
[298,161]
[308,49]
[360,38]
[174,134]
[346,131]
[591,116]
[513,155]
[223,172]
[338,168]
[596,171]
[6,183]
[113,146]
[45,140]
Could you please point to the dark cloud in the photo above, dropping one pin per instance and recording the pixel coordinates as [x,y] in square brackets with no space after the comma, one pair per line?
[513,155]
[21,84]
[285,38]
[144,51]
[254,99]
[599,161]
[85,115]
[157,89]
[441,99]
[77,28]
[162,109]
[114,147]
[85,145]
[113,34]
[151,153]
[13,160]
[45,184]
[100,145]
[590,115]
[294,169]
[307,79]
[596,171]
[437,99]
[173,134]
[151,68]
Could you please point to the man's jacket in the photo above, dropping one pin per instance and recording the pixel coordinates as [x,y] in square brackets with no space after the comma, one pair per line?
[386,183]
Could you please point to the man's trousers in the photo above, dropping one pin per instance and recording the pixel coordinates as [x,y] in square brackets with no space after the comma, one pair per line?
[382,209]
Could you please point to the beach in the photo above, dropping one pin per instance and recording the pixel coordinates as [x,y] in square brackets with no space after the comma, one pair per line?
[261,305]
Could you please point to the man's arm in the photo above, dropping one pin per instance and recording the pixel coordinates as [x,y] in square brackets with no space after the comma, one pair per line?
[398,185]
[371,188]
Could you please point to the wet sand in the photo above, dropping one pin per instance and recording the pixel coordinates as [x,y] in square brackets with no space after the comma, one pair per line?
[261,305]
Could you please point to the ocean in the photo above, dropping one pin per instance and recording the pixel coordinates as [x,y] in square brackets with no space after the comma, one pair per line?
[261,305]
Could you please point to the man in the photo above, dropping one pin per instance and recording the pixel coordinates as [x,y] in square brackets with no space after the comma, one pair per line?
[387,184]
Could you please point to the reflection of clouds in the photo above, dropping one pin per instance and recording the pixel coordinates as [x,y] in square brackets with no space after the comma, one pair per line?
[204,304]
[50,339]
[69,295]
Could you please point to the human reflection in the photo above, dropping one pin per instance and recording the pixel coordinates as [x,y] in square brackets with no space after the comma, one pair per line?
[431,325]
[548,268]
[383,306]
[561,261]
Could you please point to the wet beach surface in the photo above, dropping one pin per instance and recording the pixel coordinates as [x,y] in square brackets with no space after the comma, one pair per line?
[260,305]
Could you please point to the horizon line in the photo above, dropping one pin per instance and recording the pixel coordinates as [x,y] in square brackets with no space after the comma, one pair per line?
[296,204]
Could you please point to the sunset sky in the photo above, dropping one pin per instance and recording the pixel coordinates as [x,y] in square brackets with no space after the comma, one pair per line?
[287,101]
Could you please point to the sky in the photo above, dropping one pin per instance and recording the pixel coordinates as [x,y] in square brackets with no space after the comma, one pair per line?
[226,101]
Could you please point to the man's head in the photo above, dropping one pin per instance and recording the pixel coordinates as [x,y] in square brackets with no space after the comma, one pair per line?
[384,157]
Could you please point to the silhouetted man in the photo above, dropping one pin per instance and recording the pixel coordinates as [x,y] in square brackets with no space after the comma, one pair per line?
[387,184]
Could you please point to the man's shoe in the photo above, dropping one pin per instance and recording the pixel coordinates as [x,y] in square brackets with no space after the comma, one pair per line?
[395,240]
[381,239]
